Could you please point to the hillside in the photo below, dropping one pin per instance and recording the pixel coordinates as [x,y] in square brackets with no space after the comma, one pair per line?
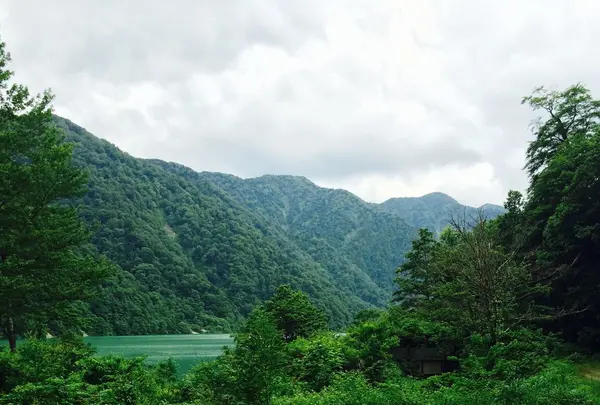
[338,229]
[191,255]
[435,210]
[200,250]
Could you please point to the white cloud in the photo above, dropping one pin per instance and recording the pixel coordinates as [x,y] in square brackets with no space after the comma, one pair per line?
[386,98]
[478,184]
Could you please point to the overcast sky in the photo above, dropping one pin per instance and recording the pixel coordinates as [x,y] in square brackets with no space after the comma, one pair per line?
[381,97]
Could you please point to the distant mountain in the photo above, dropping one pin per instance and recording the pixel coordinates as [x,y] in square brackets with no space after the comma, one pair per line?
[192,254]
[435,210]
[200,250]
[339,230]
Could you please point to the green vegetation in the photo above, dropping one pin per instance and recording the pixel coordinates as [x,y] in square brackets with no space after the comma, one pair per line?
[469,283]
[523,367]
[346,235]
[508,305]
[45,267]
[200,250]
[294,314]
[434,211]
[190,257]
[555,229]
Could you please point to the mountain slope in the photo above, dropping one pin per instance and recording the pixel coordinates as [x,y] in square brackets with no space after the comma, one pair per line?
[339,230]
[200,250]
[435,210]
[190,255]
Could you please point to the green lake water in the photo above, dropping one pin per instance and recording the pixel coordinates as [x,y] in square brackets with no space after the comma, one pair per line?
[186,350]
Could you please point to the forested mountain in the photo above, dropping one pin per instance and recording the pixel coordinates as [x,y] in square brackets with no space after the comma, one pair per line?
[200,250]
[338,229]
[435,210]
[191,255]
[93,239]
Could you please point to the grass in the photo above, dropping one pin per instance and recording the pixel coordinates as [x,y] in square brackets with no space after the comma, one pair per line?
[589,374]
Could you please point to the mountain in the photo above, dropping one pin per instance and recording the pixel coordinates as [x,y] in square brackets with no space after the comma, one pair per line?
[339,230]
[191,256]
[434,211]
[199,250]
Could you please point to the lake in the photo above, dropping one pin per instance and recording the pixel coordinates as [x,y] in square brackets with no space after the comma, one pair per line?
[186,350]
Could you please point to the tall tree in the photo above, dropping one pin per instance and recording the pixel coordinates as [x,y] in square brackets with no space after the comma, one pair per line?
[564,212]
[294,314]
[258,358]
[557,225]
[413,276]
[42,268]
[569,112]
[467,281]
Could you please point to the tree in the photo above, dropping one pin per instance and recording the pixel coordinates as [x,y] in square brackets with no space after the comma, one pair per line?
[294,314]
[412,276]
[467,281]
[571,112]
[258,359]
[42,268]
[365,315]
[564,212]
[508,224]
[555,229]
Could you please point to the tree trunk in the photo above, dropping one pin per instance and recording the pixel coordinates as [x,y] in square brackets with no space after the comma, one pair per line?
[11,335]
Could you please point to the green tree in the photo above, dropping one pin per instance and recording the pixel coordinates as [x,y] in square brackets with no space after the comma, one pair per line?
[564,211]
[570,112]
[412,276]
[509,224]
[259,358]
[294,314]
[370,314]
[556,227]
[42,270]
[316,361]
[467,281]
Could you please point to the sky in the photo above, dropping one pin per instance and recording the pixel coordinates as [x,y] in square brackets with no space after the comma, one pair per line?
[384,98]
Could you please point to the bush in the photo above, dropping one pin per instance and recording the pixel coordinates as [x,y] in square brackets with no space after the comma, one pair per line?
[517,354]
[316,361]
[353,389]
[59,371]
[39,360]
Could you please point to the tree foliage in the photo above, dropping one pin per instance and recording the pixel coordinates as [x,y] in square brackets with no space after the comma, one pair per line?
[259,358]
[294,314]
[43,269]
[469,282]
[570,112]
[555,227]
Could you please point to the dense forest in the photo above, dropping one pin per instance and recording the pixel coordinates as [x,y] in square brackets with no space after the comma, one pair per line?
[506,305]
[199,250]
[190,256]
[434,211]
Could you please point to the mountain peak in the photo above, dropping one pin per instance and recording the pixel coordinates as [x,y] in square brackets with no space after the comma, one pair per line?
[433,211]
[284,178]
[438,198]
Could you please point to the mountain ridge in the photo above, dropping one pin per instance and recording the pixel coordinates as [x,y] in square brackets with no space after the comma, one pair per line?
[425,196]
[198,250]
[436,210]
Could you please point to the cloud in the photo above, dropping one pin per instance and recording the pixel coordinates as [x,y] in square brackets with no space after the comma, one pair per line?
[386,98]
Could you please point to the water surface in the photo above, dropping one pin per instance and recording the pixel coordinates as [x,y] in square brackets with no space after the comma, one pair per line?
[186,350]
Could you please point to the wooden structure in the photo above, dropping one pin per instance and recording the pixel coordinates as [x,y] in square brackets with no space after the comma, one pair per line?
[423,361]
